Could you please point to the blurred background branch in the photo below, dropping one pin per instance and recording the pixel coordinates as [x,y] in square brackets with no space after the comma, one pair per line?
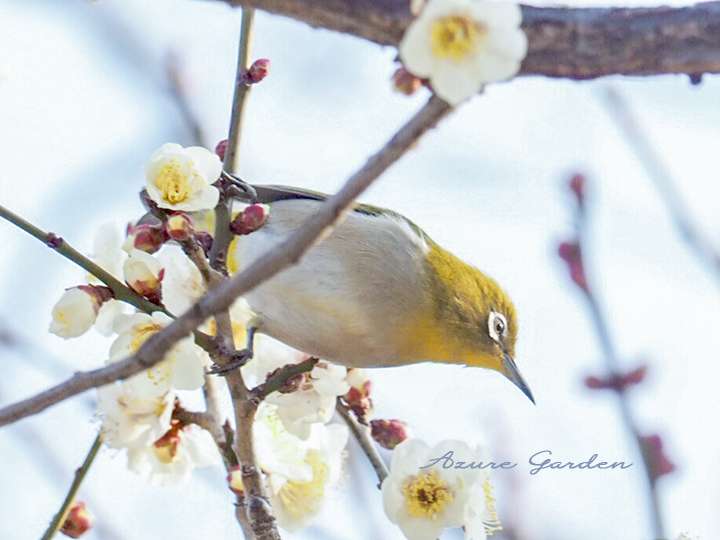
[662,179]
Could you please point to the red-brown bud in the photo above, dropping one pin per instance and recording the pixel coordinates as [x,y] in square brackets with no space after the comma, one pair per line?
[619,381]
[250,219]
[577,186]
[405,82]
[257,71]
[388,433]
[146,237]
[205,239]
[179,227]
[78,521]
[660,464]
[221,148]
[571,253]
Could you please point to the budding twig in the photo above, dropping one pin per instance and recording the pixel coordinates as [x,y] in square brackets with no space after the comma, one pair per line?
[59,519]
[362,435]
[119,289]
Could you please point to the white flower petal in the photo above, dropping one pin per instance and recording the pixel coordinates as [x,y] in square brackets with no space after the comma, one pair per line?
[208,163]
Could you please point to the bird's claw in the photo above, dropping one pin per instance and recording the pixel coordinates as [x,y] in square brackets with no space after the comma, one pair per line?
[238,360]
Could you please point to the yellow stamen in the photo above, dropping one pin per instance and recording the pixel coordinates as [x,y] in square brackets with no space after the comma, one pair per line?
[492,522]
[303,498]
[173,182]
[455,37]
[141,334]
[426,495]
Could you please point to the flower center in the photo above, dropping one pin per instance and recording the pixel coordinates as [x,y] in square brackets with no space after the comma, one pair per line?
[173,182]
[142,333]
[303,498]
[426,495]
[455,37]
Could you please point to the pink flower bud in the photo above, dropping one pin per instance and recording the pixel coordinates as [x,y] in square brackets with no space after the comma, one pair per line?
[179,227]
[571,253]
[78,521]
[250,219]
[660,464]
[221,148]
[388,433]
[405,82]
[257,71]
[235,482]
[147,237]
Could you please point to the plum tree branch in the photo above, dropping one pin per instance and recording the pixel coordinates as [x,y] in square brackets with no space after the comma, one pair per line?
[574,43]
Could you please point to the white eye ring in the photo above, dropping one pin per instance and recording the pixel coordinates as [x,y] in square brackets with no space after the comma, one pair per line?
[497,325]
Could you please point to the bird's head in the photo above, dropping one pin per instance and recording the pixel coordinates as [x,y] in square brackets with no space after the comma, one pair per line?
[475,319]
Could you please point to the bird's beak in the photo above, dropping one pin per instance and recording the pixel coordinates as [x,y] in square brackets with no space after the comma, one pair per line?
[511,371]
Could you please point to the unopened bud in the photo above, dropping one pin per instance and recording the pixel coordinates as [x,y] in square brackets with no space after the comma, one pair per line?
[654,454]
[388,433]
[205,240]
[257,71]
[166,447]
[618,381]
[77,310]
[250,219]
[78,521]
[571,253]
[221,148]
[144,274]
[179,227]
[577,186]
[147,237]
[405,82]
[234,480]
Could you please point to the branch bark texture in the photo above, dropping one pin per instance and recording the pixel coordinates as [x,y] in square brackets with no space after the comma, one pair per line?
[574,43]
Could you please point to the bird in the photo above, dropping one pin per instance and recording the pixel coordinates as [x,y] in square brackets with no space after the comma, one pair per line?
[376,292]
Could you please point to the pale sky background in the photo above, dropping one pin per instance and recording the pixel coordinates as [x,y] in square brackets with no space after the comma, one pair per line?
[82,106]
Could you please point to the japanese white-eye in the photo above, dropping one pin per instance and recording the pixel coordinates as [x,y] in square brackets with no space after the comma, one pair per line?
[378,291]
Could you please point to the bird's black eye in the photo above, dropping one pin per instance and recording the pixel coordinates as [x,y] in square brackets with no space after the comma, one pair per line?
[497,326]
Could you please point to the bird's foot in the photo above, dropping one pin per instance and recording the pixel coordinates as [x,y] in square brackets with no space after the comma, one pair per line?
[237,360]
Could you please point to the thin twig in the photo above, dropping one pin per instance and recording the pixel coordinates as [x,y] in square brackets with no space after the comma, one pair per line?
[663,181]
[281,377]
[362,435]
[80,474]
[285,254]
[60,245]
[610,356]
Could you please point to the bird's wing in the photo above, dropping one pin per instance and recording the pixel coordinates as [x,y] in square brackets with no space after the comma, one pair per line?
[272,193]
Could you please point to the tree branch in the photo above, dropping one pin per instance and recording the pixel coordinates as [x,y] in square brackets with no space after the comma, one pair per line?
[365,441]
[285,254]
[59,519]
[119,289]
[575,43]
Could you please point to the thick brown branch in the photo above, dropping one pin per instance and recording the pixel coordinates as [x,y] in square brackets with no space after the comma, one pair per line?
[576,43]
[220,298]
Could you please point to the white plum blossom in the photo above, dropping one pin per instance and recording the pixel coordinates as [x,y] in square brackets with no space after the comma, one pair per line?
[183,367]
[172,458]
[107,253]
[182,283]
[314,401]
[75,312]
[132,421]
[424,498]
[143,273]
[461,45]
[180,178]
[300,473]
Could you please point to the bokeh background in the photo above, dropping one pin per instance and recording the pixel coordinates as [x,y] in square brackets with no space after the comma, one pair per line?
[85,98]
